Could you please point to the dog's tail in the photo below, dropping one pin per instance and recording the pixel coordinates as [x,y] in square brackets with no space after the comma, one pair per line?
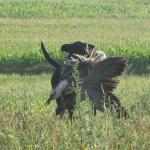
[49,58]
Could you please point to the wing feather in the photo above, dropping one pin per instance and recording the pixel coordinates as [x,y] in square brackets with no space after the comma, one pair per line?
[105,72]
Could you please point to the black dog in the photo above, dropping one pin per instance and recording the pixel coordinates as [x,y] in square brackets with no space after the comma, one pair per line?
[67,101]
[97,76]
[78,47]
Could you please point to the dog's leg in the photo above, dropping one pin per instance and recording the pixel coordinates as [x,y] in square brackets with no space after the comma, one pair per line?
[70,111]
[60,107]
[59,112]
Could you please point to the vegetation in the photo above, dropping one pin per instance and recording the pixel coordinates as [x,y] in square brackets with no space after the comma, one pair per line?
[118,28]
[27,124]
[69,9]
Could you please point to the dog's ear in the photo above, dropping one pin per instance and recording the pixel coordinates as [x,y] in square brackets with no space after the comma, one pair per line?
[66,47]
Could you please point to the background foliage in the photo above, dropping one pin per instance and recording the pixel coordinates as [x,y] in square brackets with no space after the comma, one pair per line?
[116,27]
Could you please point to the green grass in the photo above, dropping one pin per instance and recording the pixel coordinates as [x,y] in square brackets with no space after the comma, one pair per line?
[69,9]
[118,28]
[26,124]
[20,39]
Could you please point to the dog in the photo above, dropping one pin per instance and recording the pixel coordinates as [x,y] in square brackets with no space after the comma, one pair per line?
[67,100]
[98,77]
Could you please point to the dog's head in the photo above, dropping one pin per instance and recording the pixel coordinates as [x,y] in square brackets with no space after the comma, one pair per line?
[78,47]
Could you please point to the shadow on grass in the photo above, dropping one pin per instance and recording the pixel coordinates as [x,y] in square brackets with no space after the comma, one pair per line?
[39,68]
[139,66]
[136,66]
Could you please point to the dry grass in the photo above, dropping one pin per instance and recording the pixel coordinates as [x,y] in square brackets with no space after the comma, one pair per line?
[26,124]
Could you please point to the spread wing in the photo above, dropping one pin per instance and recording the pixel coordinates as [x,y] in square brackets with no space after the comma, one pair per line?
[104,72]
[96,72]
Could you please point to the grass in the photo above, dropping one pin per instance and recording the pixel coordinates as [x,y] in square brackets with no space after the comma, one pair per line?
[20,39]
[69,9]
[118,28]
[26,124]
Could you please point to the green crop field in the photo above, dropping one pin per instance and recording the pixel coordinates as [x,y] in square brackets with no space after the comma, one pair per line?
[118,27]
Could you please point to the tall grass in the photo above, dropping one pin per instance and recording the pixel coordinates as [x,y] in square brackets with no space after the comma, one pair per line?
[117,27]
[26,124]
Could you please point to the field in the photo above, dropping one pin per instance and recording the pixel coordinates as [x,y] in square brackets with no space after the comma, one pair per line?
[26,124]
[119,28]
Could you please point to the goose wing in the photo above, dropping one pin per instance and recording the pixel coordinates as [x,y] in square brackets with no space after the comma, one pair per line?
[104,72]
